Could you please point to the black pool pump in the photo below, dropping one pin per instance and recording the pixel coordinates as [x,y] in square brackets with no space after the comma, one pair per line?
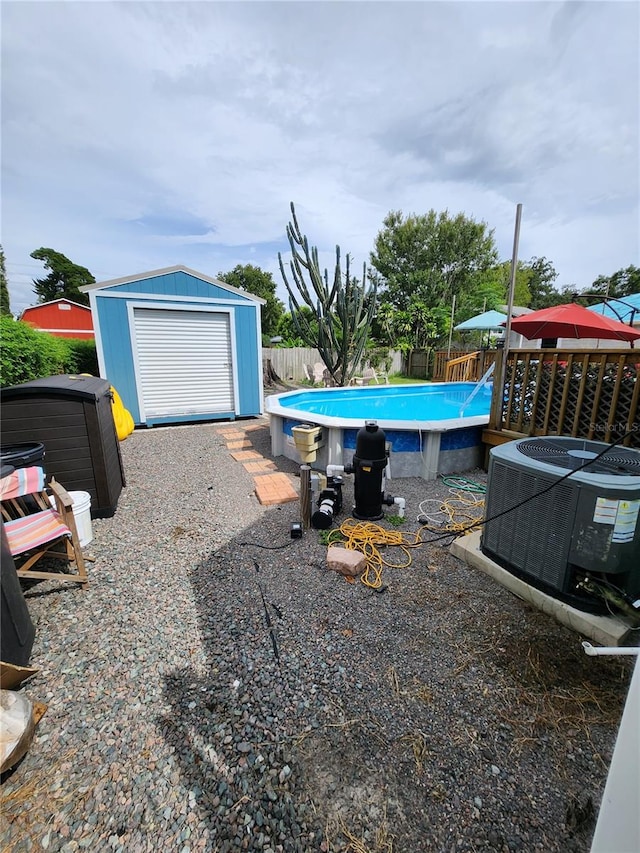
[329,504]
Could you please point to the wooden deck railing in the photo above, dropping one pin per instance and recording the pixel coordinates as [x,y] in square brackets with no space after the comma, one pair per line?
[440,359]
[468,367]
[462,369]
[591,395]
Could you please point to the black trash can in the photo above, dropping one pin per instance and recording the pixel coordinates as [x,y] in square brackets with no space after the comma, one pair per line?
[23,455]
[17,631]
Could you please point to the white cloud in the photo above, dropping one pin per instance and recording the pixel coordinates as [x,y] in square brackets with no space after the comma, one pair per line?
[121,117]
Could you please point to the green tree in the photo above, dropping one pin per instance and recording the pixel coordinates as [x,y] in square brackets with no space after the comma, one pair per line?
[490,290]
[430,257]
[5,304]
[343,309]
[622,283]
[487,294]
[416,327]
[63,280]
[541,279]
[288,328]
[254,280]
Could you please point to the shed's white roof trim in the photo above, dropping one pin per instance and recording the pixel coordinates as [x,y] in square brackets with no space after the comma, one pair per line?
[53,302]
[100,285]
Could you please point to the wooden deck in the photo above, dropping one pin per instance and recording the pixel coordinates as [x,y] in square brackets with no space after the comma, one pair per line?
[585,394]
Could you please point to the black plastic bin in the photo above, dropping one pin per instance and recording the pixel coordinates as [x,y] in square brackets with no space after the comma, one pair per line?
[17,631]
[72,416]
[23,455]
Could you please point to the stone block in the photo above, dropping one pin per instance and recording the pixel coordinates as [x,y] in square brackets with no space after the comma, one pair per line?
[346,562]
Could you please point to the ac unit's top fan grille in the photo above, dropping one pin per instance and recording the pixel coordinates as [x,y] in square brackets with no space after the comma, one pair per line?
[577,454]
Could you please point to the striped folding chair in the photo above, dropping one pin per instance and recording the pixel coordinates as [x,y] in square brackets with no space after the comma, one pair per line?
[35,530]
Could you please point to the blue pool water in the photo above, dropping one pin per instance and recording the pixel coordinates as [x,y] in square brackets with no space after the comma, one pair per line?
[434,402]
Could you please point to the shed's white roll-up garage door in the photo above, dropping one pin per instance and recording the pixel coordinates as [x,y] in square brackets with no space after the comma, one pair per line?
[184,362]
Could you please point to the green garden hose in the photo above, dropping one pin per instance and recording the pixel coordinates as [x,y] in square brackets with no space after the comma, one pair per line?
[464,485]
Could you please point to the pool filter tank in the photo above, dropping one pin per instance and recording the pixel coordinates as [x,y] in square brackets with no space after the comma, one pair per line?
[368,467]
[369,463]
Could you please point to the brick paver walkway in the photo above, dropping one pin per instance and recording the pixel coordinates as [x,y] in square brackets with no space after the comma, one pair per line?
[270,488]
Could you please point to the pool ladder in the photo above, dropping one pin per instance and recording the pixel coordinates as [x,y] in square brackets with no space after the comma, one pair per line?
[479,385]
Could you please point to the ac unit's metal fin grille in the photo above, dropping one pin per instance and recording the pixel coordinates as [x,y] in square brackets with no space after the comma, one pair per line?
[532,538]
[577,454]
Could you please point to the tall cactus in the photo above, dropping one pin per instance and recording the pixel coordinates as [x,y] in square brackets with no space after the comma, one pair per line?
[344,310]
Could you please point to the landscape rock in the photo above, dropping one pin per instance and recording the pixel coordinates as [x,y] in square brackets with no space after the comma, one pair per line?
[346,562]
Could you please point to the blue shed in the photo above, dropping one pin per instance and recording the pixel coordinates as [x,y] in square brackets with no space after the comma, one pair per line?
[179,346]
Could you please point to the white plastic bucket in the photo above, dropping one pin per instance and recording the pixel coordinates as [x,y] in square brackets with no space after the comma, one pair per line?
[82,514]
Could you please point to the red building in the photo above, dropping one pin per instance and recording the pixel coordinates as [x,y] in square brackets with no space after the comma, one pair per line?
[62,317]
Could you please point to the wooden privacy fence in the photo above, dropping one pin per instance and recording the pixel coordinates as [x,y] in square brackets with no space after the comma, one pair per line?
[418,363]
[289,362]
[592,395]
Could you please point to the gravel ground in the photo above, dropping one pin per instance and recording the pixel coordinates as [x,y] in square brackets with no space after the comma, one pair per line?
[207,693]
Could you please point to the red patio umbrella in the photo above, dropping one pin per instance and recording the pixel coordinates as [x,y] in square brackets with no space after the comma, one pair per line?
[571,321]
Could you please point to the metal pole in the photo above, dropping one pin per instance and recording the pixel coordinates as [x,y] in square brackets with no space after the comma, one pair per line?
[512,280]
[495,420]
[305,496]
[484,308]
[512,287]
[453,311]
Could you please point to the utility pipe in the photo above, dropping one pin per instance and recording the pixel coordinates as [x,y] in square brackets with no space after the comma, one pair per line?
[609,650]
[332,470]
[400,503]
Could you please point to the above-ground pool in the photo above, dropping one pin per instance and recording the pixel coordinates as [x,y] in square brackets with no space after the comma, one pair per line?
[430,428]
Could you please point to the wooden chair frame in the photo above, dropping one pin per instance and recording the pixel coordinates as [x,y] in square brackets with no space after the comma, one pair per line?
[64,546]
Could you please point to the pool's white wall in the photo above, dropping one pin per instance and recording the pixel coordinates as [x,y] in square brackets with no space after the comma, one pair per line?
[423,454]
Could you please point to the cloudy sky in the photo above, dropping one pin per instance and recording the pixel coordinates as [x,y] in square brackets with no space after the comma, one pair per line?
[141,135]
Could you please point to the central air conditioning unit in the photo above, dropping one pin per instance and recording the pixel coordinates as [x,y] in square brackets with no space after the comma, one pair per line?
[571,536]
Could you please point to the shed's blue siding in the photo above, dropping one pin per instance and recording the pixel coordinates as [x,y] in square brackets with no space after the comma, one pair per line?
[176,284]
[248,360]
[113,322]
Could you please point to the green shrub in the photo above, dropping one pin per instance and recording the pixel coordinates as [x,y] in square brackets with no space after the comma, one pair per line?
[84,355]
[27,353]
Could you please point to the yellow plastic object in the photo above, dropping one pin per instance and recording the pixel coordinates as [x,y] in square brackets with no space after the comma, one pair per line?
[307,439]
[121,416]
